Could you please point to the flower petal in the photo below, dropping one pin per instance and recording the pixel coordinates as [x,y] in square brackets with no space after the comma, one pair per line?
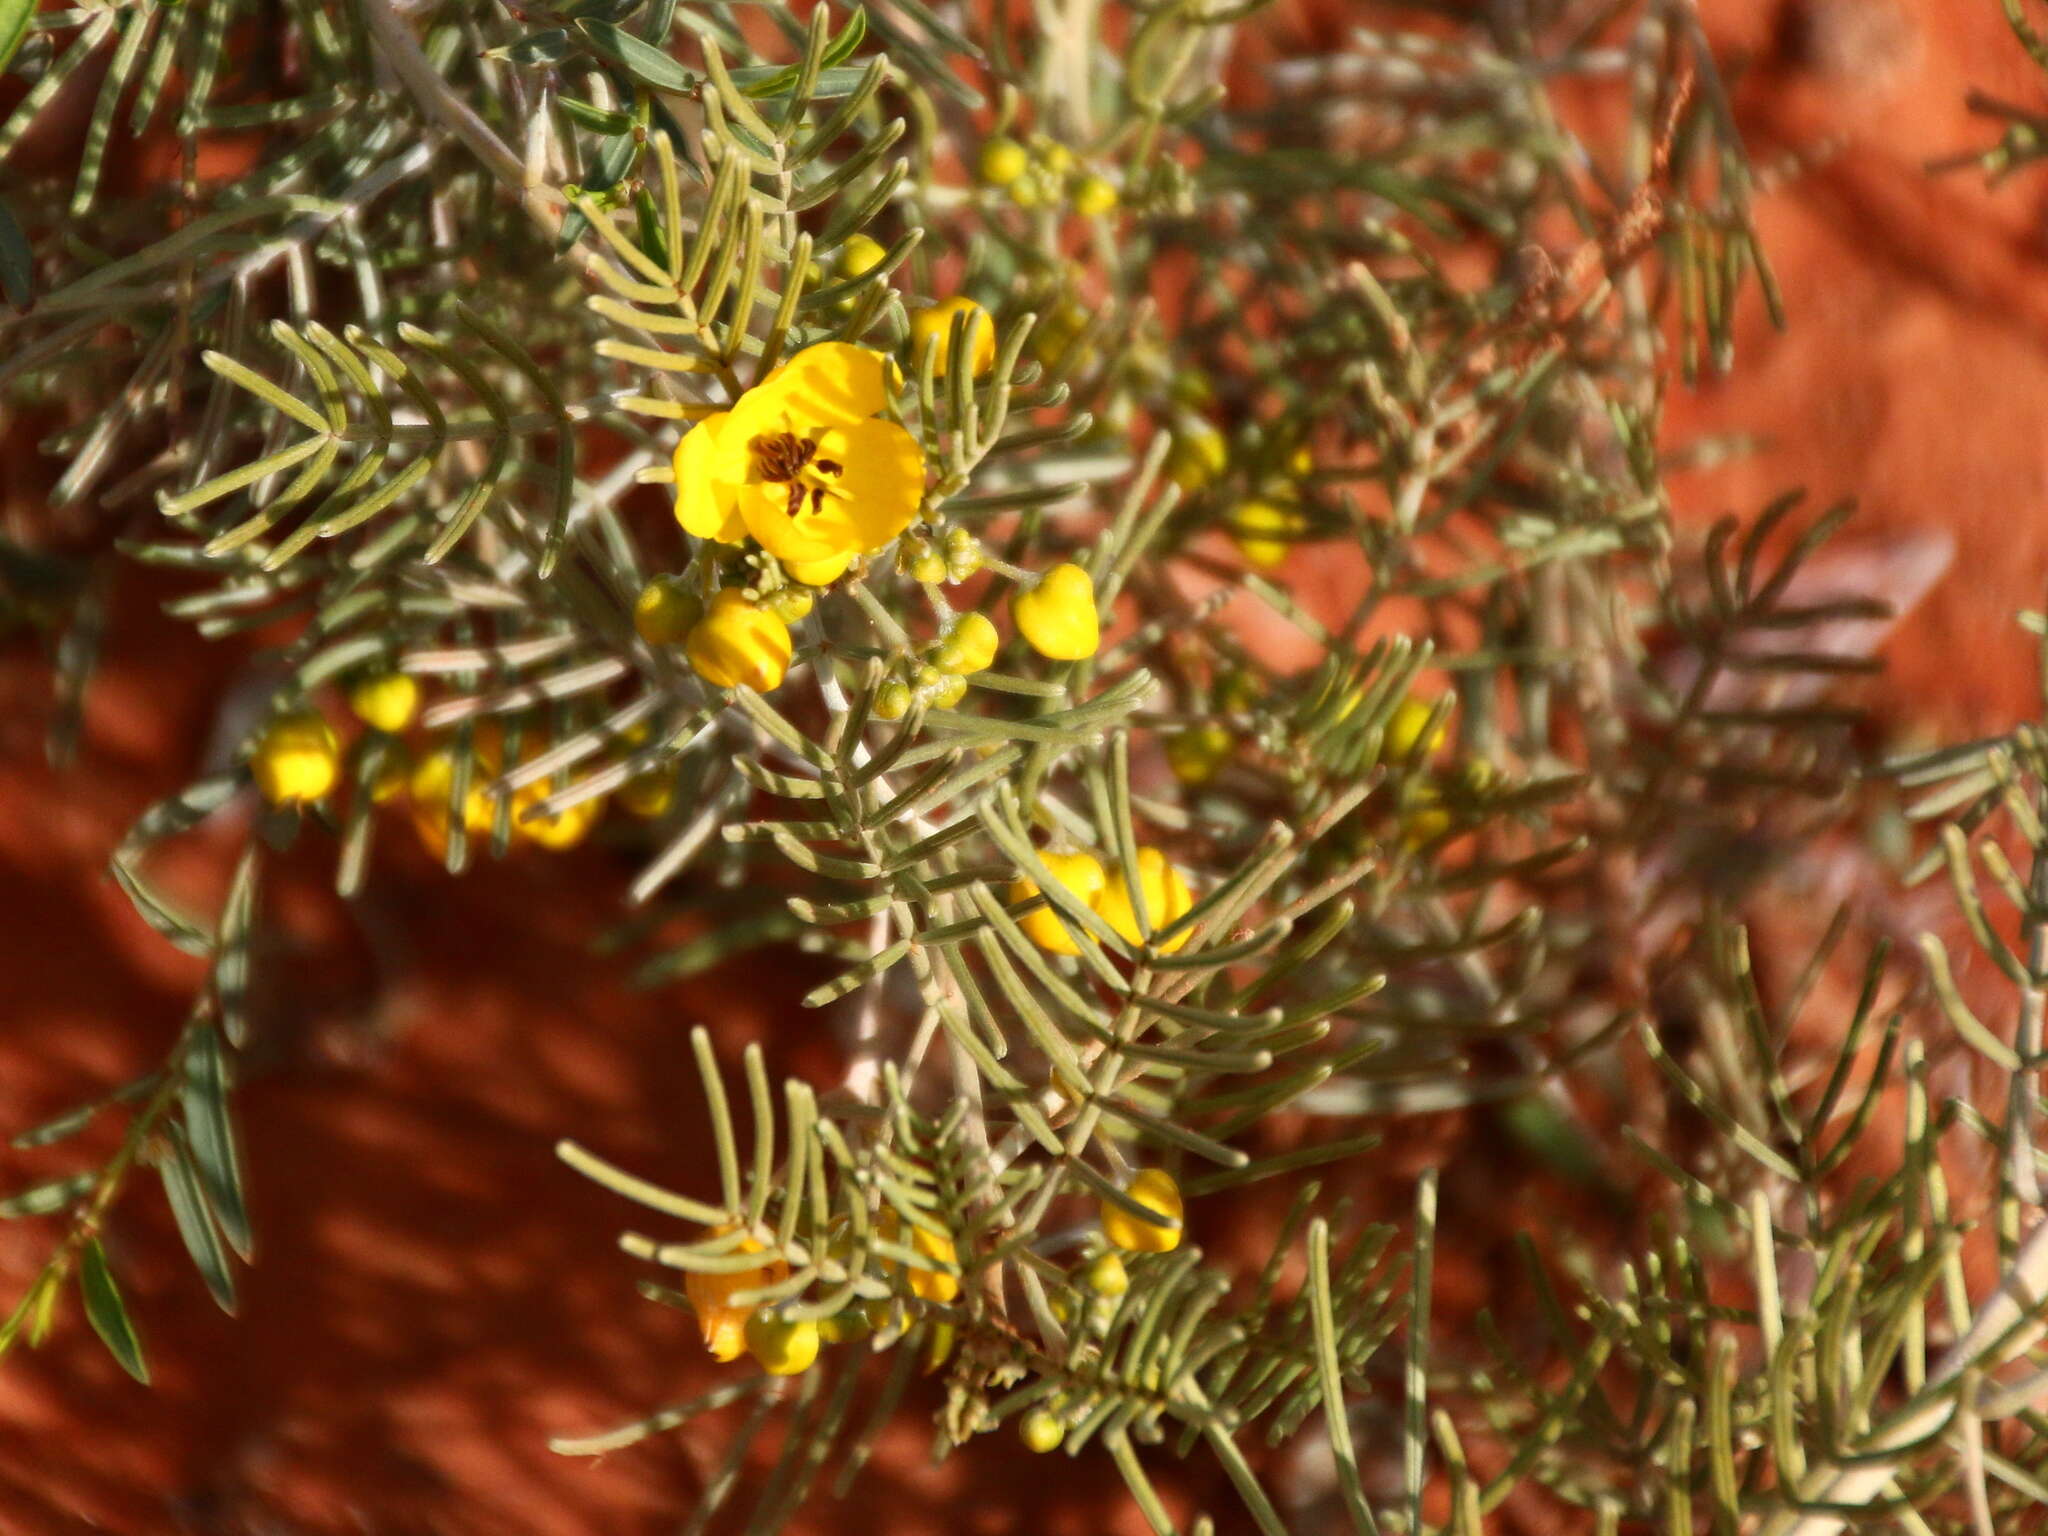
[881,481]
[704,501]
[828,385]
[810,536]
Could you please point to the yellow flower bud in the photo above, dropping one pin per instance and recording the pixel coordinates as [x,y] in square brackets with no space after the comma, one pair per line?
[649,794]
[931,1284]
[1107,1276]
[563,829]
[432,779]
[1404,738]
[392,774]
[947,692]
[1054,156]
[860,254]
[892,701]
[297,758]
[722,1323]
[1167,898]
[1196,753]
[1057,616]
[666,611]
[783,1348]
[1002,161]
[936,325]
[1040,1431]
[789,604]
[1199,455]
[1094,196]
[969,646]
[739,645]
[1265,531]
[385,701]
[1080,873]
[929,567]
[1156,1191]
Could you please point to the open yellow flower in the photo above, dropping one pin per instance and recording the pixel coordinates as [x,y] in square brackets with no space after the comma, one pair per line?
[803,464]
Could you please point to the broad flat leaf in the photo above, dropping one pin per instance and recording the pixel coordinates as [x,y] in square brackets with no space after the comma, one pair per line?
[109,1317]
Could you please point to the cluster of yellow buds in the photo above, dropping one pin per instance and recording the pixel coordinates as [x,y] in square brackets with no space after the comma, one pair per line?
[954,558]
[297,758]
[1266,527]
[1104,891]
[737,640]
[1036,171]
[432,781]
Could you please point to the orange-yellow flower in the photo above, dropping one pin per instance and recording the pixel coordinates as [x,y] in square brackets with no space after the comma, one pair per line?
[803,463]
[723,1324]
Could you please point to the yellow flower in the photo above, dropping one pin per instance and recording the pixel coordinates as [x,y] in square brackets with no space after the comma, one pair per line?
[1196,753]
[1093,195]
[385,701]
[819,573]
[803,464]
[969,646]
[936,323]
[392,773]
[665,611]
[783,1348]
[1106,1275]
[1080,873]
[1003,161]
[649,794]
[432,779]
[1167,898]
[931,1284]
[723,1324]
[1265,531]
[1041,1431]
[564,829]
[860,254]
[1155,1190]
[1405,730]
[738,644]
[298,758]
[1198,456]
[1057,615]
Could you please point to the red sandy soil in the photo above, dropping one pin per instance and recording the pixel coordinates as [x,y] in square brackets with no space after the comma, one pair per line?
[434,1295]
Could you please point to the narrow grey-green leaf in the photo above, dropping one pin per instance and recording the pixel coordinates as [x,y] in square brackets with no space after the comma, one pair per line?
[17,262]
[195,1220]
[108,1316]
[643,61]
[205,1099]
